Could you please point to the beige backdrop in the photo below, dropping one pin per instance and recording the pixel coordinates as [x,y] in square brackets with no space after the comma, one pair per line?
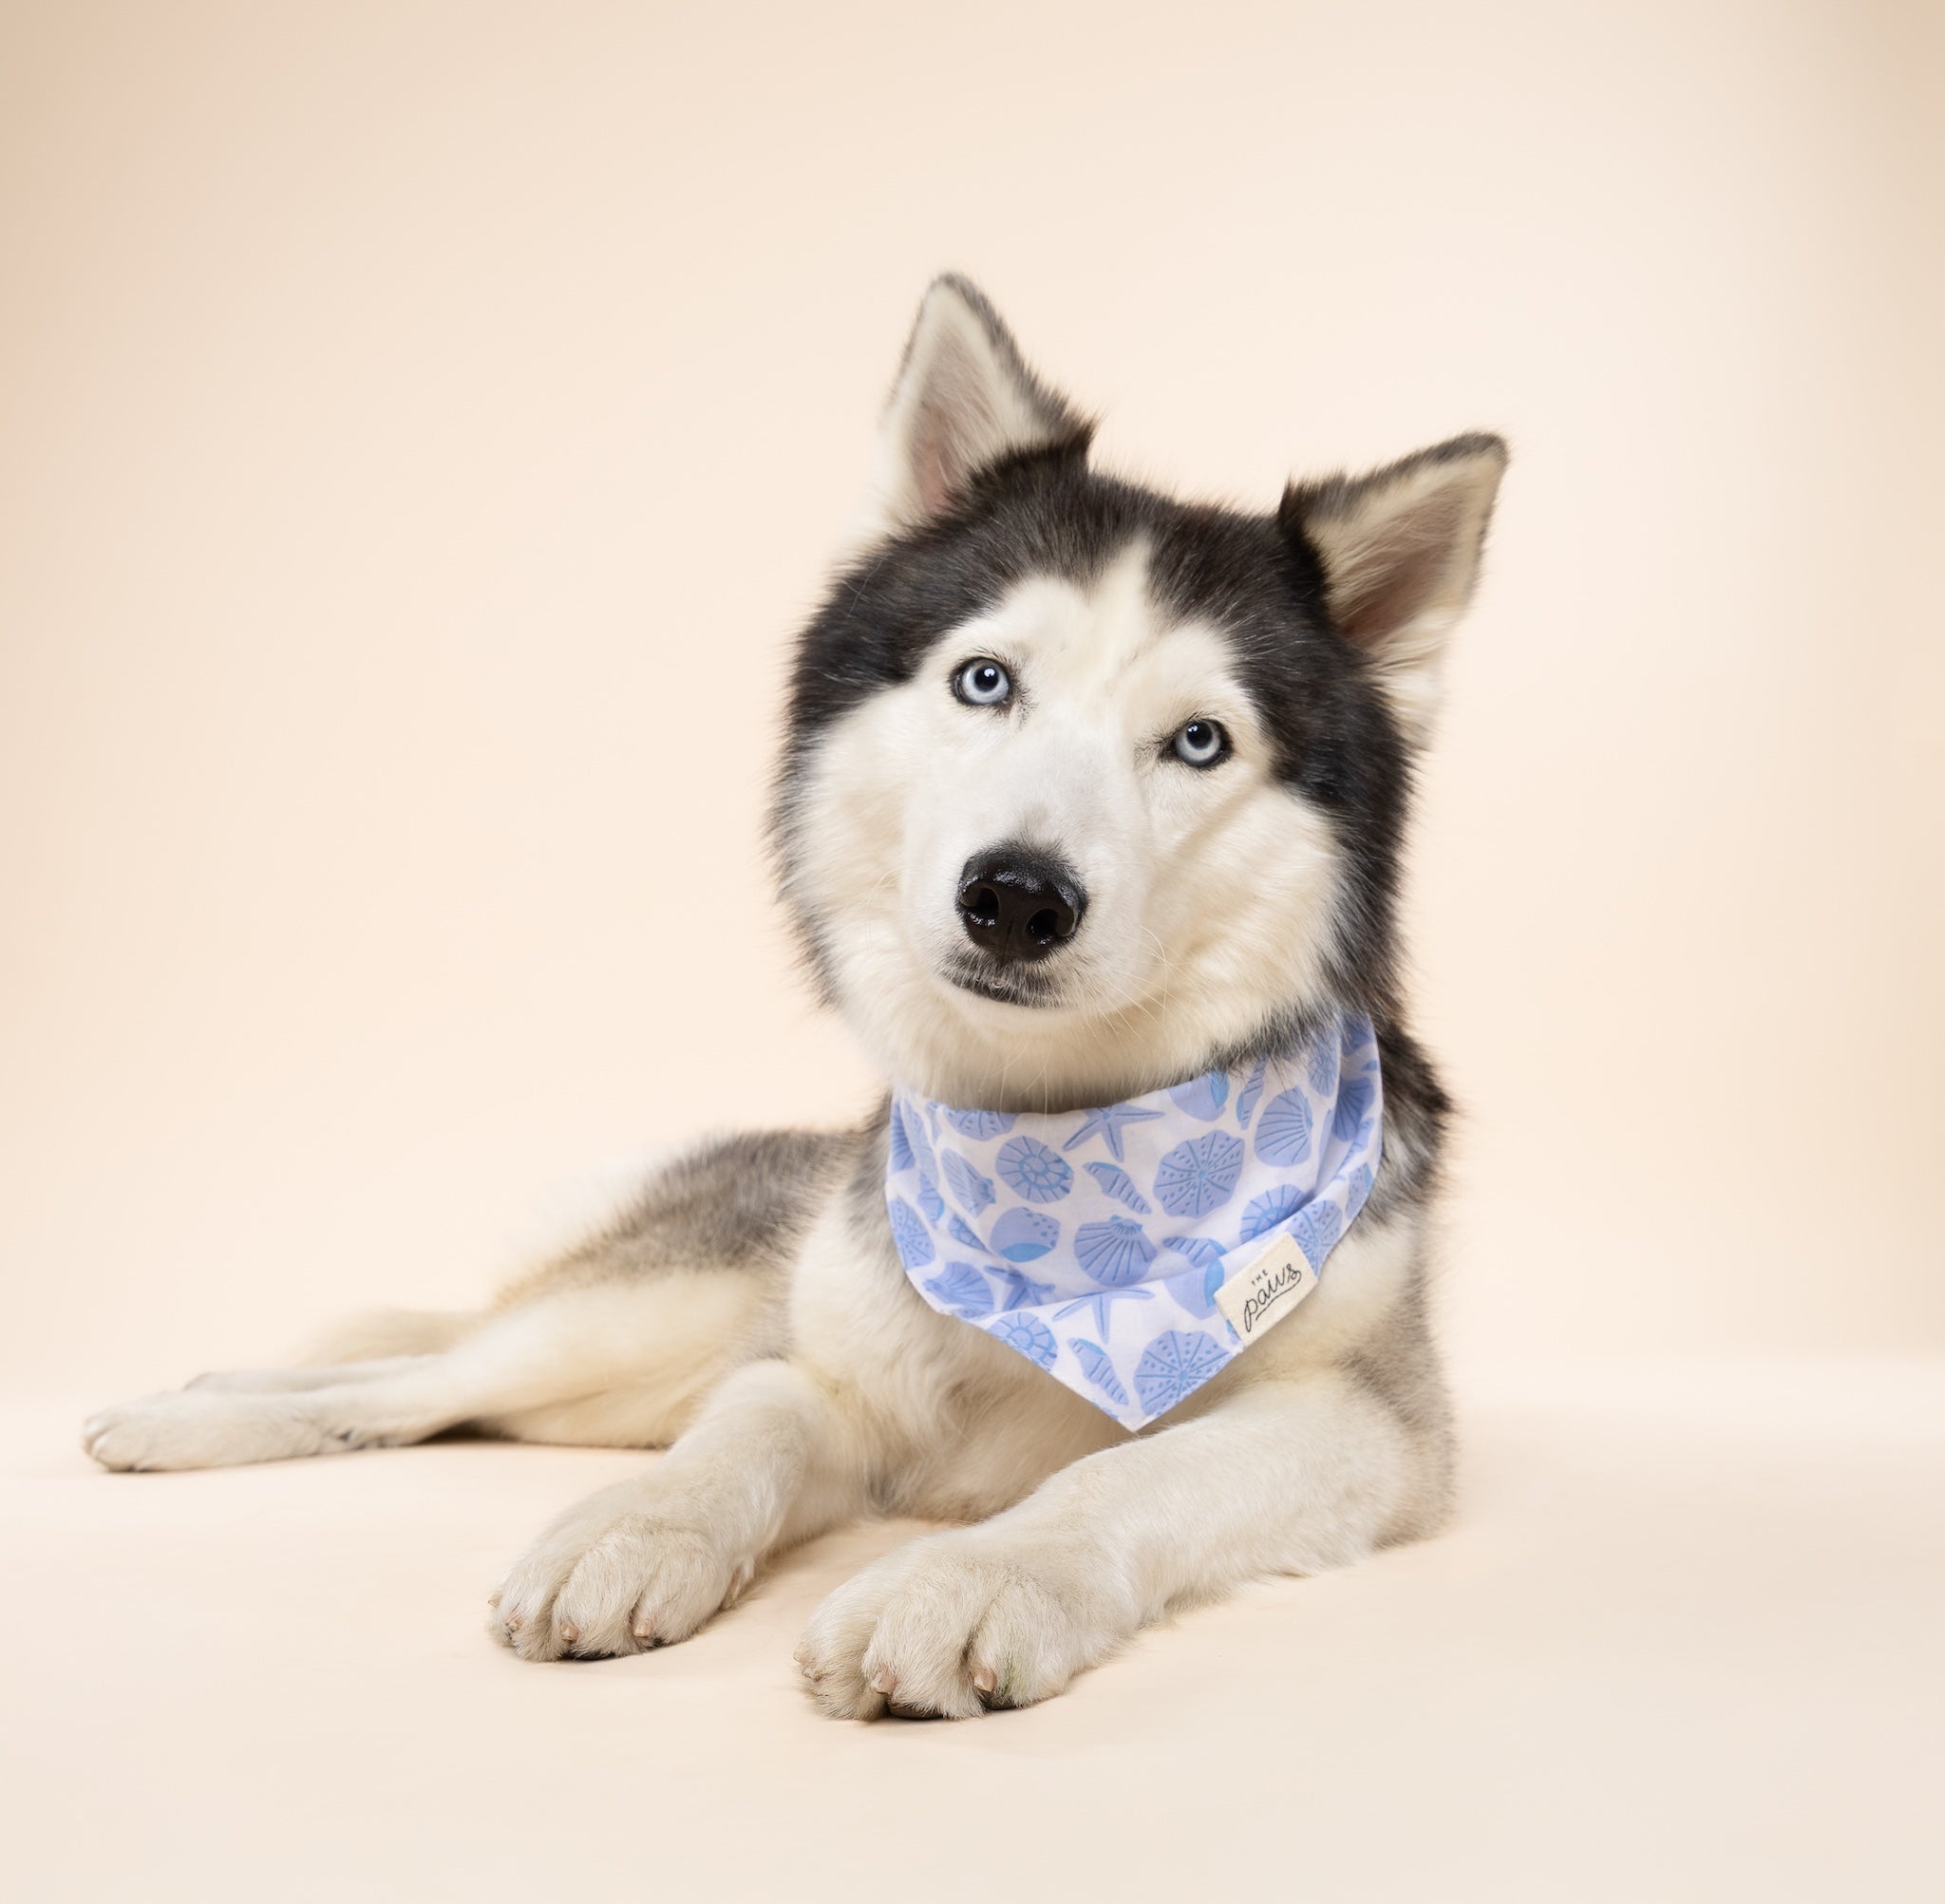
[420,428]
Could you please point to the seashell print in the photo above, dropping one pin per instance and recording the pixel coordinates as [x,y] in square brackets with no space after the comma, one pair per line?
[1202,1251]
[922,1153]
[930,1200]
[1195,1287]
[1199,1174]
[1283,1137]
[1021,1291]
[963,1232]
[910,1233]
[1107,1122]
[971,1191]
[1263,1214]
[1032,1171]
[1353,1101]
[1203,1097]
[901,1158]
[1021,1235]
[1360,1188]
[962,1290]
[1101,1302]
[1316,1228]
[1173,1367]
[1027,1334]
[1246,1097]
[1099,1370]
[1119,1185]
[1320,1063]
[1115,1253]
[981,1125]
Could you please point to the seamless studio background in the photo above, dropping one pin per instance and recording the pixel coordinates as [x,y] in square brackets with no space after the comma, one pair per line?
[423,427]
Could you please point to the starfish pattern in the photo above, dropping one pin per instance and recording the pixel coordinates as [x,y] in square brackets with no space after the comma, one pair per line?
[1099,1302]
[1107,1122]
[1022,1292]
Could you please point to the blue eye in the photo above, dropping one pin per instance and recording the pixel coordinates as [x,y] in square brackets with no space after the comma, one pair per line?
[1201,743]
[983,683]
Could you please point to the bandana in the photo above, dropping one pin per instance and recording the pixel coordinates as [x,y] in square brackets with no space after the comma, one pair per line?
[1135,1249]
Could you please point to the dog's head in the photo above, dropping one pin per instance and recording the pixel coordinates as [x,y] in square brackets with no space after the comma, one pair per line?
[1086,789]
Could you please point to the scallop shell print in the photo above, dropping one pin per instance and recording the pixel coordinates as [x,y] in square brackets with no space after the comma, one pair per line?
[1199,1174]
[1321,1062]
[1027,1334]
[901,1158]
[1023,1236]
[1284,1136]
[962,1290]
[921,1147]
[1263,1214]
[909,1232]
[981,1125]
[1173,1367]
[1353,1101]
[1032,1171]
[1120,1185]
[1114,1252]
[970,1191]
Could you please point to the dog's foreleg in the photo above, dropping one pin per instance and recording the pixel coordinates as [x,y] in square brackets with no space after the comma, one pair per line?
[773,1458]
[523,1359]
[1282,1477]
[294,1380]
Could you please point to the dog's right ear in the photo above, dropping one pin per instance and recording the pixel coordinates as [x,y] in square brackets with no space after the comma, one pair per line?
[964,401]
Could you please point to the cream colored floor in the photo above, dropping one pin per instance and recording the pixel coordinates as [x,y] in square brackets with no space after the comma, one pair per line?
[1685,1643]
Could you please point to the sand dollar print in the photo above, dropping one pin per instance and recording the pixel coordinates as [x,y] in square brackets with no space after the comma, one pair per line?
[1198,1175]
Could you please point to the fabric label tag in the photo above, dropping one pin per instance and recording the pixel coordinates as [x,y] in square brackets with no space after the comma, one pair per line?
[1265,1292]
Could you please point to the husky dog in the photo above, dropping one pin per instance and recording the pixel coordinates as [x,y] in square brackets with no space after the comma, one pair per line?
[1084,792]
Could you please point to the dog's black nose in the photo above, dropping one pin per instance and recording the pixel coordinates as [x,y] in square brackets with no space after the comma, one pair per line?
[1018,904]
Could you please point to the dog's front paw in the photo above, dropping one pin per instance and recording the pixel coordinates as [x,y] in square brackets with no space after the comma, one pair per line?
[956,1623]
[623,1572]
[198,1428]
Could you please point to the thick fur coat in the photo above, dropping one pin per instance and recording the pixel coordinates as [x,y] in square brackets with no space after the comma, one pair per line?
[1185,734]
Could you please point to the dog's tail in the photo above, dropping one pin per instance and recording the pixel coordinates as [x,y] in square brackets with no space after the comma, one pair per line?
[382,1333]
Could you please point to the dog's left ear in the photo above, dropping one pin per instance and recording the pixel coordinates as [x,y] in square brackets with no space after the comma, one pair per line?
[1400,551]
[964,401]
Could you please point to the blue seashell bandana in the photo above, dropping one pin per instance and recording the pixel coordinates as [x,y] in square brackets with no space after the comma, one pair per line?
[1136,1250]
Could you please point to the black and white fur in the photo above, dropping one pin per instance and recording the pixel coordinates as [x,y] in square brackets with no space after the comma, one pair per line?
[746,1309]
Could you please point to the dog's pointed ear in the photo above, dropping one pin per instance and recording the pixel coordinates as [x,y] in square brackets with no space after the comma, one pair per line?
[964,400]
[1400,552]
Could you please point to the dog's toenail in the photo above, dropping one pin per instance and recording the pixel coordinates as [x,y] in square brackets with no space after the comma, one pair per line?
[645,1631]
[884,1680]
[568,1632]
[985,1678]
[493,1599]
[515,1622]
